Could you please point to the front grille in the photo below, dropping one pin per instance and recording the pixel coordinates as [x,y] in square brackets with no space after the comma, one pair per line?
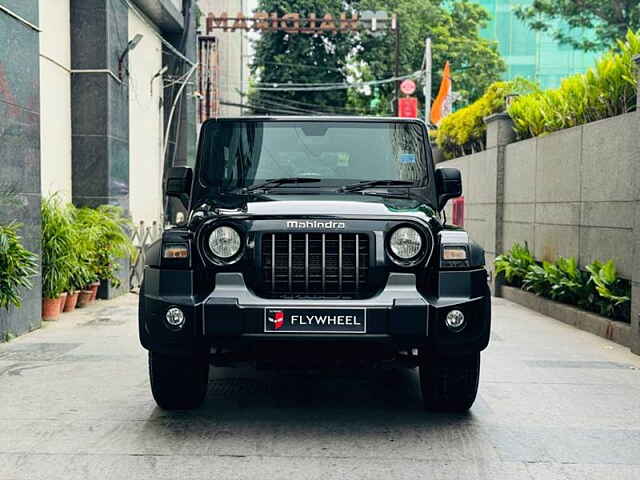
[314,264]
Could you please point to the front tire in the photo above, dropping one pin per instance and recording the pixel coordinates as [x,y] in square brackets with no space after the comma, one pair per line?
[178,383]
[449,383]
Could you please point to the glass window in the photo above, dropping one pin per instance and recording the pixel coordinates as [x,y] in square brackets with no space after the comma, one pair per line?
[241,153]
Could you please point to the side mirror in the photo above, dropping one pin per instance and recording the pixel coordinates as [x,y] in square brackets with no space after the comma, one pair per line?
[178,183]
[448,185]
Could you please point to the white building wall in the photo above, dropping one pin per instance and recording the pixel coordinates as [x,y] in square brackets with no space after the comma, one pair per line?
[55,97]
[233,48]
[145,125]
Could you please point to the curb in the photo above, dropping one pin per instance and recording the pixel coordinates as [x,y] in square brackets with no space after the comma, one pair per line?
[618,332]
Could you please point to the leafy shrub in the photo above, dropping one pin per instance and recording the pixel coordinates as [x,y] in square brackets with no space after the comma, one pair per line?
[106,241]
[613,292]
[83,252]
[606,90]
[58,237]
[464,131]
[514,264]
[17,266]
[597,289]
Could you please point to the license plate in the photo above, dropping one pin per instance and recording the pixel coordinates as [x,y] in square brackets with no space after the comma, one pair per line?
[315,320]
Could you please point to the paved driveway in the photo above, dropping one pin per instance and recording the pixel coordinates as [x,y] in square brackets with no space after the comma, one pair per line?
[554,402]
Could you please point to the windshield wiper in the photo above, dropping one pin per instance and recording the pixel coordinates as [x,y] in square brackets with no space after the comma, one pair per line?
[354,187]
[276,182]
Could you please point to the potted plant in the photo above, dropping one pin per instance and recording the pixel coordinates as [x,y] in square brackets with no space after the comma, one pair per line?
[17,266]
[107,230]
[81,263]
[57,255]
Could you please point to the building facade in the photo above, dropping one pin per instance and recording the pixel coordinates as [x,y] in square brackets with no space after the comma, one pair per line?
[233,53]
[530,54]
[92,109]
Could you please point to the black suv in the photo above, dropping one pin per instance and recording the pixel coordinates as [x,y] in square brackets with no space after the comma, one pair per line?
[314,241]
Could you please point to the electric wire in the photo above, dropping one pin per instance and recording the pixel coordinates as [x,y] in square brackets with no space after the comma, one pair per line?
[273,97]
[309,87]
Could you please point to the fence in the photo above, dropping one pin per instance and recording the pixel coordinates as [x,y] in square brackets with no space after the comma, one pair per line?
[142,237]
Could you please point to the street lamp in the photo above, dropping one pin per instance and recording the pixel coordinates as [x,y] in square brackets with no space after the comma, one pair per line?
[133,43]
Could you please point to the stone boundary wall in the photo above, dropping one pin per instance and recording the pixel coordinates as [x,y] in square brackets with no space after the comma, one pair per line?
[572,193]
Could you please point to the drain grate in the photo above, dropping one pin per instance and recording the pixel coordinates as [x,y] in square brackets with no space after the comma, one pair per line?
[578,364]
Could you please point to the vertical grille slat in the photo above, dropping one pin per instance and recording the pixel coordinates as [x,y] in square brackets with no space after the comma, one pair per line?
[340,262]
[357,261]
[313,263]
[324,260]
[306,261]
[290,262]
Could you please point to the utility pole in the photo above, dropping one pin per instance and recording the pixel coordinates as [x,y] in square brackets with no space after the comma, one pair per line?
[427,81]
[397,67]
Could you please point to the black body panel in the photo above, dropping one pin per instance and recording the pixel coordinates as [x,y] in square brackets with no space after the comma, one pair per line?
[313,250]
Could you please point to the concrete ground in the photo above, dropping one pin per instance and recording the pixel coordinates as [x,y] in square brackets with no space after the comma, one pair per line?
[554,403]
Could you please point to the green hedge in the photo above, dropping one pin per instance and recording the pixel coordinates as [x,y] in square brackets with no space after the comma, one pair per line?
[597,289]
[464,132]
[606,90]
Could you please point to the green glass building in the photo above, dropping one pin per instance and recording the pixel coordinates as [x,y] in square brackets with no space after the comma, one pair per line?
[530,54]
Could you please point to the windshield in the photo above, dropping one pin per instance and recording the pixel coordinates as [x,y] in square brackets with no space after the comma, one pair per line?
[244,153]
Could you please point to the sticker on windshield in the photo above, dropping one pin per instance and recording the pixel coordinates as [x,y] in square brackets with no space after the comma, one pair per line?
[343,160]
[407,158]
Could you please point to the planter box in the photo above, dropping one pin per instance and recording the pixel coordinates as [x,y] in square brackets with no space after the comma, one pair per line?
[613,330]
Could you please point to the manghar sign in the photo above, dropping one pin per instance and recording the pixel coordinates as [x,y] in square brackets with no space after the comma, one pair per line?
[291,23]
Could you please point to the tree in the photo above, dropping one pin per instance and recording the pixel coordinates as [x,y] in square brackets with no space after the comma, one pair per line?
[454,28]
[282,58]
[608,20]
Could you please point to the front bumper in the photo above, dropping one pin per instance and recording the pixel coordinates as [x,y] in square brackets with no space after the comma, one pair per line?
[399,315]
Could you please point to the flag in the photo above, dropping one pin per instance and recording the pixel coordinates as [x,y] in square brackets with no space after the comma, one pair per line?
[442,104]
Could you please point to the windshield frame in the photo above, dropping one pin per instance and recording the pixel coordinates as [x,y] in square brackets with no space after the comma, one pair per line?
[424,188]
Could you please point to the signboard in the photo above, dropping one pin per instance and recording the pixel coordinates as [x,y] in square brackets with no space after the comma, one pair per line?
[408,87]
[408,107]
[295,23]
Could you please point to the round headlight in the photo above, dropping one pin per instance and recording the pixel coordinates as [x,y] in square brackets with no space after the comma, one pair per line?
[405,243]
[224,242]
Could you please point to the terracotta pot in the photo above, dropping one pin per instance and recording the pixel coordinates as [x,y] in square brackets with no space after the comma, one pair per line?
[72,300]
[84,298]
[63,300]
[50,308]
[94,290]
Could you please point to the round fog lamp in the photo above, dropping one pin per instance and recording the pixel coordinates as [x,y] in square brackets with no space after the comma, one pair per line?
[175,317]
[455,320]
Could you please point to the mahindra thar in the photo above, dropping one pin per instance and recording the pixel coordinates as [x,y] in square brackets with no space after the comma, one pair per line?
[314,242]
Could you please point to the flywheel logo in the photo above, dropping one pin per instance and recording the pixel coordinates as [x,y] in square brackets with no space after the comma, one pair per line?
[277,318]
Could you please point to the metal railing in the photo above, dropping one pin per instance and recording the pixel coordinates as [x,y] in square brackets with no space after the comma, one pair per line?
[142,237]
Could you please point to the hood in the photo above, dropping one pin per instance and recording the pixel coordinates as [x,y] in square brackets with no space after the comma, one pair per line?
[330,205]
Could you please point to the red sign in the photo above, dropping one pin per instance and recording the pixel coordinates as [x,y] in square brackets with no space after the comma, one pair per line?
[408,107]
[408,87]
